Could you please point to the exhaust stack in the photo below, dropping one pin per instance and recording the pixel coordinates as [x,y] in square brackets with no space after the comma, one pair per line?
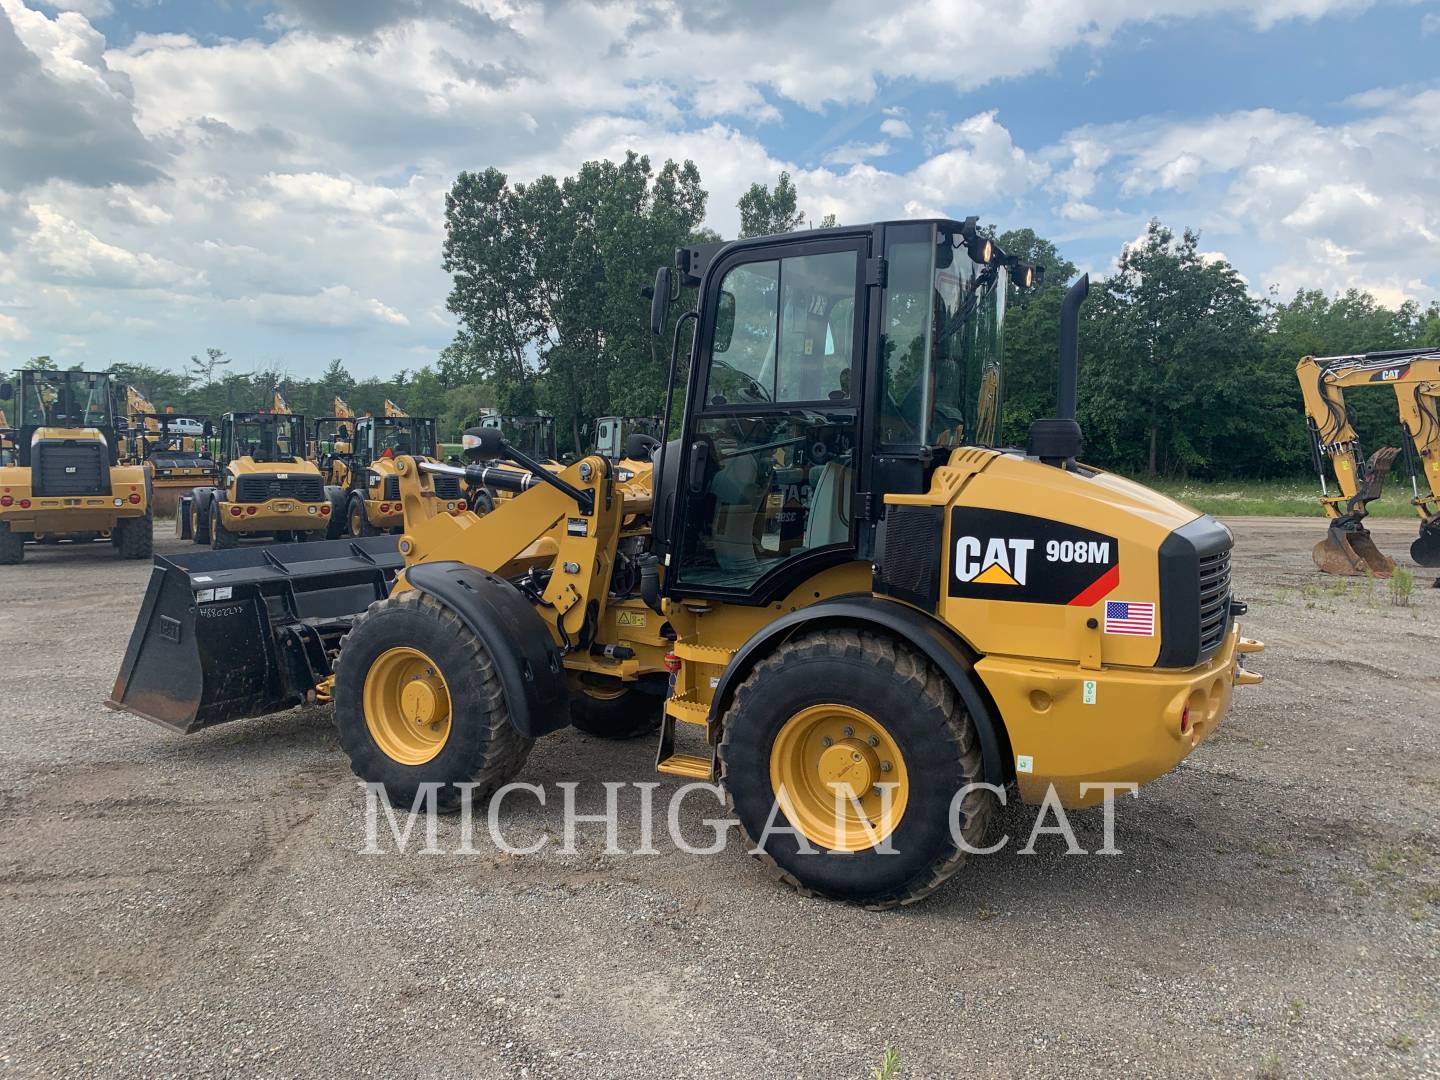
[1058,440]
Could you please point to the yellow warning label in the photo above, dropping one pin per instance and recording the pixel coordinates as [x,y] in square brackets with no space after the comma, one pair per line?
[994,575]
[630,618]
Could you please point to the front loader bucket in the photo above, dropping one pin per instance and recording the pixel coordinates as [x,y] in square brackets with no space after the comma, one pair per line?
[1348,551]
[1426,548]
[223,635]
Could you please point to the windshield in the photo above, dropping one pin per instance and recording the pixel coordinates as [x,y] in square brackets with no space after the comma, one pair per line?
[64,399]
[533,436]
[273,437]
[332,435]
[404,435]
[941,352]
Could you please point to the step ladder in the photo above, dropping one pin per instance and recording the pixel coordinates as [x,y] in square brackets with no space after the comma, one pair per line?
[687,708]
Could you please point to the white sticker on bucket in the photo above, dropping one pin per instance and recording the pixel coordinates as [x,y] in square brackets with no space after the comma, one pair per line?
[1089,696]
[204,596]
[225,593]
[1024,763]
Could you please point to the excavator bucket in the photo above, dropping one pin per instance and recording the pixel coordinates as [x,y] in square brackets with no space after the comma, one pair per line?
[1348,551]
[1426,548]
[224,635]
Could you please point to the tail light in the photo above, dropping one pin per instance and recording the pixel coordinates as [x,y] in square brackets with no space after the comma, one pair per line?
[6,500]
[250,510]
[672,663]
[235,511]
[24,504]
[384,508]
[325,509]
[461,505]
[135,498]
[1185,720]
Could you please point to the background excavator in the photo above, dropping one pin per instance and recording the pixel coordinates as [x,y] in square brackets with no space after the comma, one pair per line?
[1414,375]
[935,612]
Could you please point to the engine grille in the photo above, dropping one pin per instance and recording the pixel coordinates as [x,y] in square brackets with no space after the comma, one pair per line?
[907,562]
[74,468]
[258,487]
[392,488]
[1214,601]
[447,487]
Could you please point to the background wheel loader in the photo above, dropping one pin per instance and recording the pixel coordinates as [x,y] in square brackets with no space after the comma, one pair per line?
[1414,375]
[62,479]
[370,495]
[612,433]
[174,450]
[935,613]
[268,487]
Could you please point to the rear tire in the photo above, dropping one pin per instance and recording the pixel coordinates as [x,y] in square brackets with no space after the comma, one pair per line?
[895,694]
[221,538]
[629,714]
[335,523]
[480,744]
[12,546]
[200,517]
[136,536]
[357,523]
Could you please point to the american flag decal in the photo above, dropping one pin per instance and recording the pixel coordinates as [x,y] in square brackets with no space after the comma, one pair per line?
[1128,617]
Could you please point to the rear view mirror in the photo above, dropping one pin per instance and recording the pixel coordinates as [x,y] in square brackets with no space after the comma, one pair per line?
[660,301]
[725,322]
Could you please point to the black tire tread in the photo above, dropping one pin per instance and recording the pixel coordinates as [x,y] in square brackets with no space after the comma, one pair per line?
[12,546]
[629,716]
[930,686]
[136,536]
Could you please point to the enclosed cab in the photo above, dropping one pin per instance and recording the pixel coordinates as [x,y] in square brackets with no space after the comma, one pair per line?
[267,486]
[62,477]
[372,501]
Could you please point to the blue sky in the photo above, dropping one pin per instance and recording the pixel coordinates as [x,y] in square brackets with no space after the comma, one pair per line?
[268,178]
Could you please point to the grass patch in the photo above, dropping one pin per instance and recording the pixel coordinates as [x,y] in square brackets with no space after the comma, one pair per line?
[1296,497]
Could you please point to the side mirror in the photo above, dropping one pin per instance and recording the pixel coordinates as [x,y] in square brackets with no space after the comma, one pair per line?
[343,432]
[725,322]
[660,301]
[208,430]
[7,391]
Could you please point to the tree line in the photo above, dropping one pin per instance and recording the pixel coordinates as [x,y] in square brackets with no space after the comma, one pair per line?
[1184,371]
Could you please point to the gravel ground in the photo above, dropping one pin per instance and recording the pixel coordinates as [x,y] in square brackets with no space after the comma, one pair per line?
[200,905]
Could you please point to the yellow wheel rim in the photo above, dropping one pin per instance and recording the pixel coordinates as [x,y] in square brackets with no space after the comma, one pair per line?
[824,755]
[407,705]
[604,693]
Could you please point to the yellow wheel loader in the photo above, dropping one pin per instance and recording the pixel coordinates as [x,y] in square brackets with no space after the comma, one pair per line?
[371,492]
[61,478]
[267,488]
[1414,376]
[175,450]
[612,433]
[940,620]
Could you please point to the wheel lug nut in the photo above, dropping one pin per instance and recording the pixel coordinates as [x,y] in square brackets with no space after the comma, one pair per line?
[885,766]
[849,732]
[874,740]
[826,741]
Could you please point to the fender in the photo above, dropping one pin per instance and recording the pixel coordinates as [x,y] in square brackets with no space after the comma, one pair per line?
[937,643]
[526,657]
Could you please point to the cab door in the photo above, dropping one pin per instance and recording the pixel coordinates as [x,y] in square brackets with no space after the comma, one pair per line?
[767,493]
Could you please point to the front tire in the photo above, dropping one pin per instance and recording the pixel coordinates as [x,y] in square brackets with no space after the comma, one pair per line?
[850,704]
[417,700]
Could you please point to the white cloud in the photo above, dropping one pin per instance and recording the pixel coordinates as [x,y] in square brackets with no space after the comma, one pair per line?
[854,153]
[895,127]
[11,329]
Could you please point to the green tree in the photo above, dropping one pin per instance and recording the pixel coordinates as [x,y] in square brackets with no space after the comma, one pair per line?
[764,212]
[41,363]
[1171,380]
